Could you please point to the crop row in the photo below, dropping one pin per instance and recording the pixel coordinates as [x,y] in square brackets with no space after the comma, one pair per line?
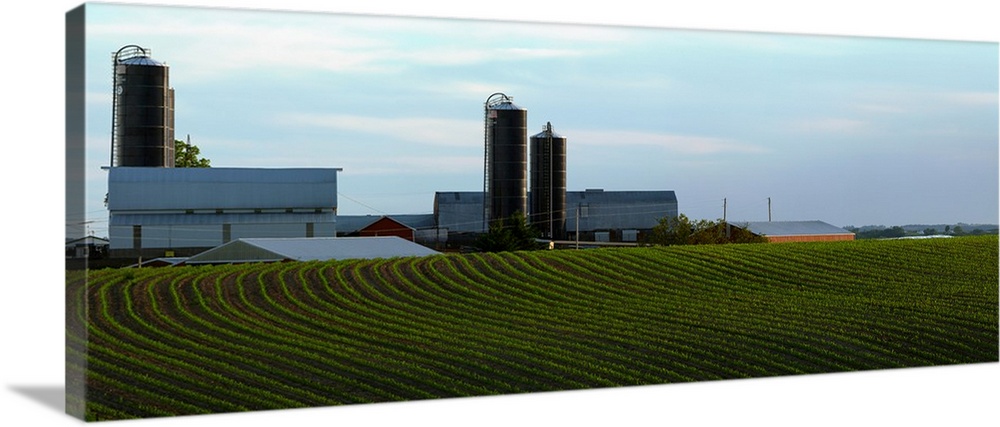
[190,340]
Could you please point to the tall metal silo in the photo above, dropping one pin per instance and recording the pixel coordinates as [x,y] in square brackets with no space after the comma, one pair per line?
[506,159]
[142,110]
[548,183]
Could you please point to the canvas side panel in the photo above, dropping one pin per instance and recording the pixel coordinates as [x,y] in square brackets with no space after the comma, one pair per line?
[76,277]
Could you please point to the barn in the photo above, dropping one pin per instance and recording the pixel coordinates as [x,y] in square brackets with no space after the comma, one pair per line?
[797,231]
[166,212]
[595,214]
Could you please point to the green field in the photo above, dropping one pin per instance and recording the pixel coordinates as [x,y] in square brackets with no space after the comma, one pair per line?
[193,340]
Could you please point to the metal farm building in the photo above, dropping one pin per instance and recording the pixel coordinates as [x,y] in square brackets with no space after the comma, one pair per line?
[797,231]
[157,212]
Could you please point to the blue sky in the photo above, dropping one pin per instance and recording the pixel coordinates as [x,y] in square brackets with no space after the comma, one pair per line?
[848,130]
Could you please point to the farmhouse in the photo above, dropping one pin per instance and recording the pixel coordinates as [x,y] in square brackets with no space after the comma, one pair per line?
[797,231]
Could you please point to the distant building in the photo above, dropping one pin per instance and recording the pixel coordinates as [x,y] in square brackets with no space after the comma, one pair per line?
[167,212]
[616,216]
[604,216]
[89,247]
[421,226]
[387,226]
[796,231]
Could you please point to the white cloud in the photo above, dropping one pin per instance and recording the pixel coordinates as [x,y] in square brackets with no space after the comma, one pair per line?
[970,98]
[879,108]
[828,125]
[430,131]
[685,144]
[412,165]
[213,48]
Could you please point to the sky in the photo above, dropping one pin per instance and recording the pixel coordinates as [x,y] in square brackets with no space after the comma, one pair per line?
[32,113]
[848,130]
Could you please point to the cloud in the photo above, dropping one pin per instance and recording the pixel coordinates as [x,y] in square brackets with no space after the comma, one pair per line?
[207,48]
[684,144]
[430,131]
[828,125]
[412,165]
[909,100]
[972,99]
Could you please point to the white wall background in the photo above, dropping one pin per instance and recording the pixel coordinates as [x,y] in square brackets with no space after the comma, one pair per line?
[32,306]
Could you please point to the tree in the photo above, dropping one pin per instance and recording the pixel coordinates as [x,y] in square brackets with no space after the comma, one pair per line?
[680,230]
[509,234]
[671,231]
[186,156]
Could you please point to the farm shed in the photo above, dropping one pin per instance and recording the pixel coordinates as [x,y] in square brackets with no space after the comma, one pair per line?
[182,211]
[616,216]
[86,247]
[604,215]
[309,249]
[797,231]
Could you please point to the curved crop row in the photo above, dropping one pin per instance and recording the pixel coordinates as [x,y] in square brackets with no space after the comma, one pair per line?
[191,340]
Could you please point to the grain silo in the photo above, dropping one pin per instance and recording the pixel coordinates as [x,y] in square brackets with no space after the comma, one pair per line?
[548,183]
[506,159]
[142,110]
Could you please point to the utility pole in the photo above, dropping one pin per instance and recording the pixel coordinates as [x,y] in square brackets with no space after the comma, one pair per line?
[723,209]
[768,209]
[578,226]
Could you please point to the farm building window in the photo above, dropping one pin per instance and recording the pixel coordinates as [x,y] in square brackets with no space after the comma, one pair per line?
[630,235]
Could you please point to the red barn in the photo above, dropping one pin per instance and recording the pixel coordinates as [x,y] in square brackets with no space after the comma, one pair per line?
[386,226]
[797,231]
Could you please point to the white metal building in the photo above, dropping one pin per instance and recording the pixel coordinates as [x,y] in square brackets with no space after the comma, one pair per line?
[310,249]
[182,211]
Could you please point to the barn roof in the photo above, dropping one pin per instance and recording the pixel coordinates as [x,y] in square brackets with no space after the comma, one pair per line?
[157,189]
[791,228]
[352,223]
[310,249]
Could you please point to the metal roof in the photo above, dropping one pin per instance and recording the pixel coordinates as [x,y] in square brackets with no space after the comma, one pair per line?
[88,240]
[505,105]
[141,60]
[310,249]
[157,188]
[791,228]
[547,132]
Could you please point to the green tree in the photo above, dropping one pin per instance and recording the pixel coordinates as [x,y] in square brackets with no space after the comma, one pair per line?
[671,231]
[186,156]
[510,234]
[681,230]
